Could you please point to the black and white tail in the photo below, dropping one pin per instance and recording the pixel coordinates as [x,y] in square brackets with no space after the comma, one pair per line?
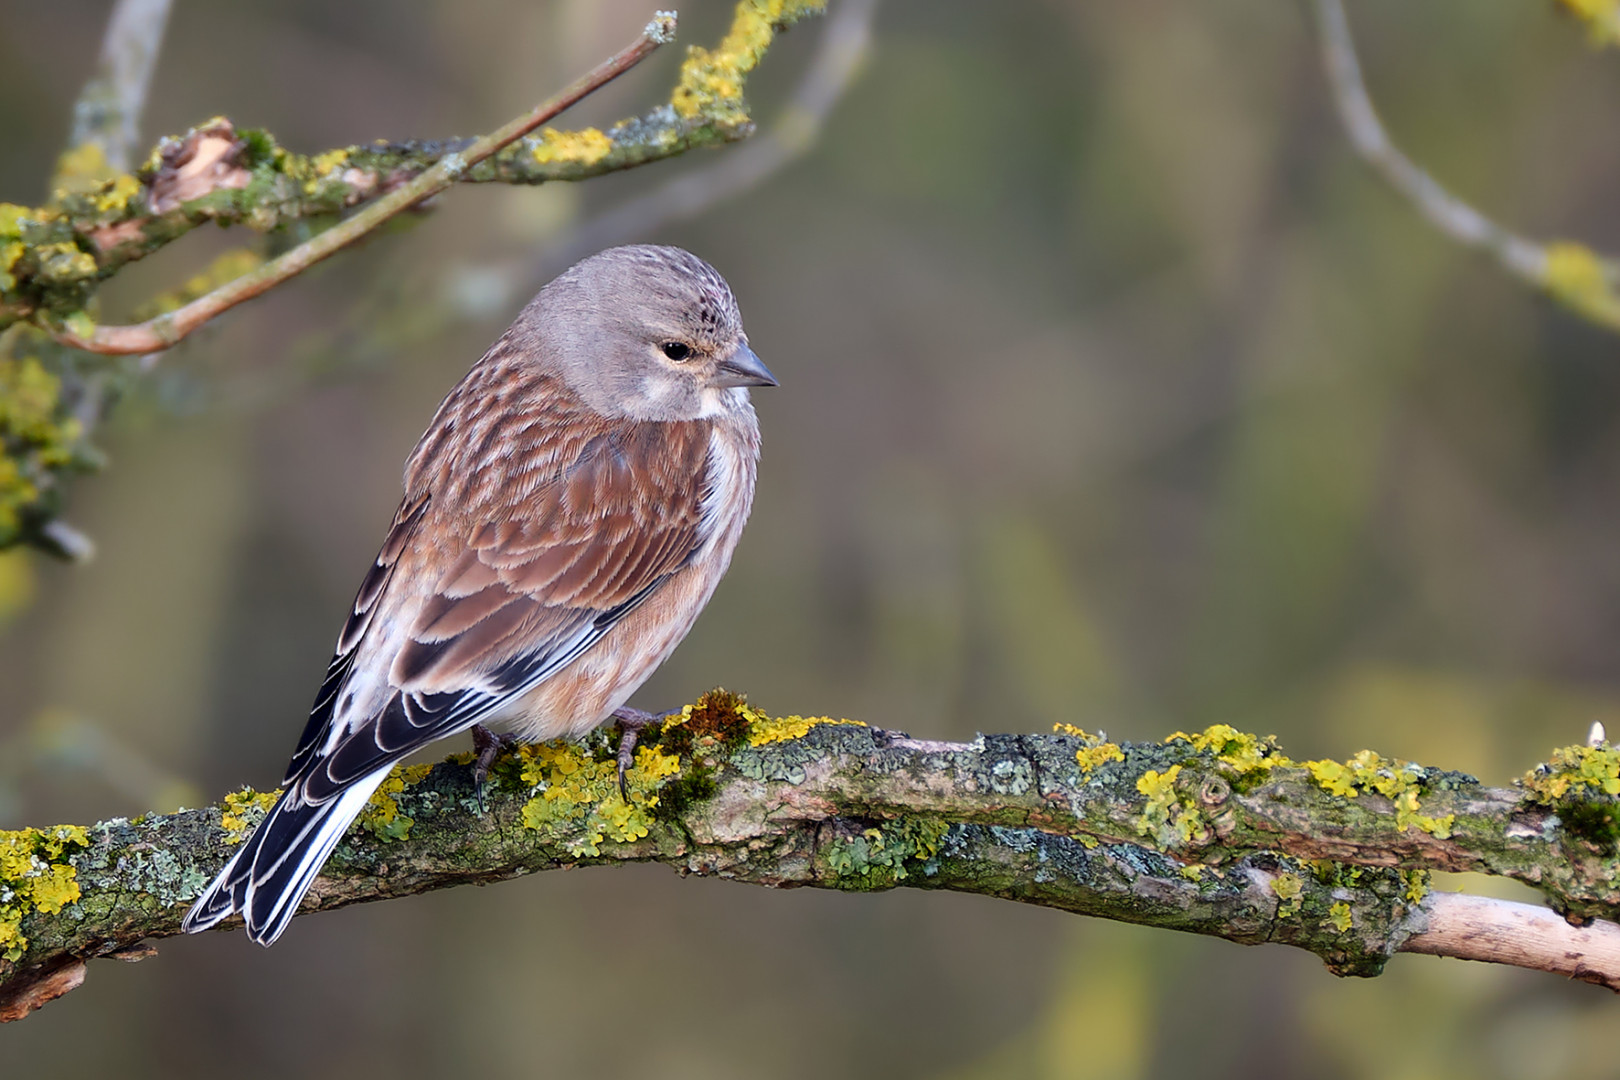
[268,877]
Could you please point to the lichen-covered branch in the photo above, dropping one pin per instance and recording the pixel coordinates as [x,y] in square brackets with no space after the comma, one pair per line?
[162,331]
[54,258]
[1570,272]
[1216,833]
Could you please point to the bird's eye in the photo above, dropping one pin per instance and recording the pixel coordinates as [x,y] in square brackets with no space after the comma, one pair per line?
[677,350]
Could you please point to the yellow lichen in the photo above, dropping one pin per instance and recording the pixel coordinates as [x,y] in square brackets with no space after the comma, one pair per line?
[1602,19]
[1589,769]
[324,163]
[381,817]
[241,806]
[1170,821]
[763,729]
[1395,780]
[1417,885]
[116,193]
[1289,887]
[63,262]
[35,875]
[1089,757]
[80,169]
[34,436]
[1339,916]
[712,81]
[1238,749]
[1094,749]
[1577,278]
[585,147]
[579,795]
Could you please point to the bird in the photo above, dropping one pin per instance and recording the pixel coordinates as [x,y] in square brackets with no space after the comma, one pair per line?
[566,515]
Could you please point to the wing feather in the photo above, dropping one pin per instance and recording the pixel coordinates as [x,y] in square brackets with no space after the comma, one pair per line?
[490,582]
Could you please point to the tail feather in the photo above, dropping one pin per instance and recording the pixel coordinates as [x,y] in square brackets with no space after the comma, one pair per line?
[268,876]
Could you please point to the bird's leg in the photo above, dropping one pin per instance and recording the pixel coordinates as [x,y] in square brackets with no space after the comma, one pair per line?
[631,721]
[488,746]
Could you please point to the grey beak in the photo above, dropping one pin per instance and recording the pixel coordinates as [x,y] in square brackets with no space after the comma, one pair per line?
[743,368]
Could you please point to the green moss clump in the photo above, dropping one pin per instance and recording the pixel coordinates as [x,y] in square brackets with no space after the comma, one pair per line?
[694,785]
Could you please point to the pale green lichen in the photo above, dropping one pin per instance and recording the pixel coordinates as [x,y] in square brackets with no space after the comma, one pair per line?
[1339,916]
[35,875]
[882,856]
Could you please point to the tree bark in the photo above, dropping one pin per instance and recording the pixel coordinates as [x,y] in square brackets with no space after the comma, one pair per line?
[1216,833]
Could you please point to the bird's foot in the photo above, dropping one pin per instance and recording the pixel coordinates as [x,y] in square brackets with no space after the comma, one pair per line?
[631,721]
[488,746]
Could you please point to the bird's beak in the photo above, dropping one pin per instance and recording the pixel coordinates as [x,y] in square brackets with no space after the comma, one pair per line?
[743,368]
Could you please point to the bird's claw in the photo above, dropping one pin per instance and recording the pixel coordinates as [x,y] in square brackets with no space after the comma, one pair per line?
[631,721]
[488,746]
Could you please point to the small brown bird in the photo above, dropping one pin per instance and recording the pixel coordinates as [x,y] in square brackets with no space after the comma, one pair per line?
[567,514]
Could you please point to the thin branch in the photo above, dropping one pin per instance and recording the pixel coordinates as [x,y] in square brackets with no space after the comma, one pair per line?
[164,330]
[1522,935]
[1570,272]
[844,47]
[108,112]
[1216,833]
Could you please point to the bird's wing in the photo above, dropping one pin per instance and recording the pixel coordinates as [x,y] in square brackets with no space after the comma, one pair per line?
[532,578]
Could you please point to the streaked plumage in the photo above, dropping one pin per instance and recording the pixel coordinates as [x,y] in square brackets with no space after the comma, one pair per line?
[569,511]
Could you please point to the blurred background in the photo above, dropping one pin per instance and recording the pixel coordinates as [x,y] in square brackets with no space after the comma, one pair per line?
[1115,391]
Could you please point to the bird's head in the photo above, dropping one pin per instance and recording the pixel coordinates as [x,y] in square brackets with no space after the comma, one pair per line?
[647,332]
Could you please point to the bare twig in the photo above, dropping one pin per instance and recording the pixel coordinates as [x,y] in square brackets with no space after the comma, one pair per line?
[1570,272]
[1523,935]
[108,112]
[166,330]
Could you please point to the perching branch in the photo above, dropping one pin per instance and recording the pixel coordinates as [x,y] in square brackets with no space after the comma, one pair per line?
[1216,833]
[1570,272]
